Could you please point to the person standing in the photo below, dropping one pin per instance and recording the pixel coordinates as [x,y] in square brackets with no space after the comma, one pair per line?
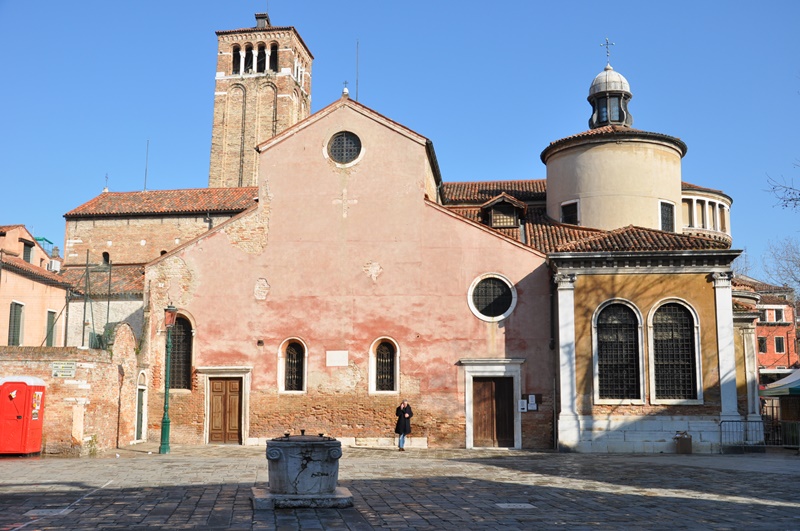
[403,426]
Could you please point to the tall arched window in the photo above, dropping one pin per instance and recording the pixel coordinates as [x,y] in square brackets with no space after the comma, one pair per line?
[261,62]
[273,57]
[181,355]
[674,353]
[619,376]
[237,60]
[294,370]
[248,60]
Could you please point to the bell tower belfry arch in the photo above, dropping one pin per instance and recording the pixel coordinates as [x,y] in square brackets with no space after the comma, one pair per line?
[263,86]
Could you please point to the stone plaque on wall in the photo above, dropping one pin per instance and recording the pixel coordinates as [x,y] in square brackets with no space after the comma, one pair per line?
[63,369]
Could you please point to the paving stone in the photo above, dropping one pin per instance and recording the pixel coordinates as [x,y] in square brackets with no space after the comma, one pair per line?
[209,487]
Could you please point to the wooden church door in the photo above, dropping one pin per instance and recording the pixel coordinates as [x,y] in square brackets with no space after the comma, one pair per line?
[493,412]
[226,408]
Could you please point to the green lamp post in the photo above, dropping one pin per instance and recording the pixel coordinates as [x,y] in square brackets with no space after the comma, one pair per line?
[170,314]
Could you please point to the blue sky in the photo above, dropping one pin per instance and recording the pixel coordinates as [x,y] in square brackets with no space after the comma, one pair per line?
[86,84]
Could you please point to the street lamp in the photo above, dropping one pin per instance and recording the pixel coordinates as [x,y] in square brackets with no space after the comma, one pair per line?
[170,314]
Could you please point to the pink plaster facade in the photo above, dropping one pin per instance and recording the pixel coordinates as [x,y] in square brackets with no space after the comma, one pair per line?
[26,283]
[337,257]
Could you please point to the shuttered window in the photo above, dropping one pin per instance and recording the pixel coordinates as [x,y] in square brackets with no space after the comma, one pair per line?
[15,325]
[51,329]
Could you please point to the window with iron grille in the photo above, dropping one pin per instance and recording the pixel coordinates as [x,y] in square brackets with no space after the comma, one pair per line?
[504,215]
[385,360]
[668,217]
[762,344]
[779,345]
[180,375]
[15,325]
[618,353]
[674,356]
[569,213]
[344,147]
[293,368]
[51,329]
[492,297]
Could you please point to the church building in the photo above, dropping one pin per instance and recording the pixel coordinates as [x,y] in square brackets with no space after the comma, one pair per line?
[330,271]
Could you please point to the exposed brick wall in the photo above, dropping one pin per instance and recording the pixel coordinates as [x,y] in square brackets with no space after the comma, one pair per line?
[121,237]
[82,413]
[252,108]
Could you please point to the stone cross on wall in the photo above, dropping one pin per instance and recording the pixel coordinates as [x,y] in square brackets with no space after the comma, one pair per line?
[342,200]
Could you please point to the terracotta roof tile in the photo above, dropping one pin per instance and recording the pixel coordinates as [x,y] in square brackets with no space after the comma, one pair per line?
[612,131]
[632,238]
[740,281]
[5,228]
[483,191]
[24,268]
[187,201]
[125,280]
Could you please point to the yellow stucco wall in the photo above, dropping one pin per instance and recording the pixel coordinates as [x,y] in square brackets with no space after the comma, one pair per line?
[646,292]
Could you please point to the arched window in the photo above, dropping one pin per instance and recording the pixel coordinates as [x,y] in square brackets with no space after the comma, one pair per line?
[237,60]
[181,355]
[618,354]
[261,61]
[248,60]
[674,353]
[106,259]
[384,367]
[273,57]
[294,367]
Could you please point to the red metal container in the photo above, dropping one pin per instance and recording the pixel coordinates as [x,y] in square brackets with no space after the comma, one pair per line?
[21,414]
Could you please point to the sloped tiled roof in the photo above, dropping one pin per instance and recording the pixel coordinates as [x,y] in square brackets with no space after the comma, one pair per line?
[185,201]
[6,228]
[612,132]
[483,191]
[24,268]
[125,280]
[548,235]
[633,238]
[740,281]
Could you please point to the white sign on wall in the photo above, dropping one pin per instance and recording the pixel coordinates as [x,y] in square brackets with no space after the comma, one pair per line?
[336,358]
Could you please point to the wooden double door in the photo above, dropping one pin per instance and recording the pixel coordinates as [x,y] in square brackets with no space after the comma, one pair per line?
[493,412]
[224,426]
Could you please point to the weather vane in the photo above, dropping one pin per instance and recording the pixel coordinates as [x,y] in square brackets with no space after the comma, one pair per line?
[608,46]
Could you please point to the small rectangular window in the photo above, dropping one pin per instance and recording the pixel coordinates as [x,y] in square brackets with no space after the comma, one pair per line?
[504,215]
[667,217]
[569,213]
[762,344]
[779,345]
[778,316]
[762,316]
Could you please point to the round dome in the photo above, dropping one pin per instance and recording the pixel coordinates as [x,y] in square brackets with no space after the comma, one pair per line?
[609,80]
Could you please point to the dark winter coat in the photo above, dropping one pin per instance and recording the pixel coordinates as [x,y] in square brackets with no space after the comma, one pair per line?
[403,423]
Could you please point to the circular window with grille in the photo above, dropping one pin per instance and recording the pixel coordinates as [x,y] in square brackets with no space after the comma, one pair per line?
[492,297]
[344,147]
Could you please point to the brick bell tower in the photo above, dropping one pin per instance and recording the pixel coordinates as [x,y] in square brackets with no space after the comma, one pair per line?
[263,86]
